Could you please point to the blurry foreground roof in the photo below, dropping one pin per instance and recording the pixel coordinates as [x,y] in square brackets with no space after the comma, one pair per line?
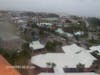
[5,68]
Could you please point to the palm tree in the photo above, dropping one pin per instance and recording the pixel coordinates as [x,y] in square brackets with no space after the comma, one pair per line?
[80,66]
[48,64]
[53,65]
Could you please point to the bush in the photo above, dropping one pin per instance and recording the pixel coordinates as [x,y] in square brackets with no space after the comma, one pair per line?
[50,46]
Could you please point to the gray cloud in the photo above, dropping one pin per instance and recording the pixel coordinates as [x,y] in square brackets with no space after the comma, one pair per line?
[78,7]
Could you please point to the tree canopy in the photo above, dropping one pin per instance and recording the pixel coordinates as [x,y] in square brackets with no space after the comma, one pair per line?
[94,21]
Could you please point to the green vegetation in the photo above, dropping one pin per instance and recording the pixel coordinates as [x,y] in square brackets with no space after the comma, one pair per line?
[30,14]
[94,24]
[57,42]
[41,33]
[75,28]
[52,15]
[95,54]
[80,66]
[94,21]
[51,46]
[26,50]
[53,65]
[10,55]
[15,57]
[93,41]
[50,65]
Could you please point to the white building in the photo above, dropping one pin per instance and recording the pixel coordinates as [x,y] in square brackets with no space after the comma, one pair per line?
[79,33]
[79,54]
[95,48]
[46,25]
[71,58]
[73,55]
[89,73]
[61,32]
[36,45]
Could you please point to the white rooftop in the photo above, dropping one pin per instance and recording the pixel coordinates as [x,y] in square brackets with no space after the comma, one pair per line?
[79,33]
[71,58]
[69,34]
[94,48]
[90,73]
[73,49]
[44,23]
[47,23]
[36,45]
[73,55]
[79,54]
[20,21]
[60,31]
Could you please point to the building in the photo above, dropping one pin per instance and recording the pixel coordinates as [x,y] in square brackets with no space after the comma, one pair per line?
[80,54]
[5,68]
[36,45]
[44,25]
[79,33]
[95,48]
[89,73]
[50,19]
[61,32]
[72,56]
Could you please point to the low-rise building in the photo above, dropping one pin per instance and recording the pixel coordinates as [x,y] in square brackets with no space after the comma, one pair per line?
[72,56]
[79,33]
[44,25]
[36,45]
[94,48]
[89,73]
[61,32]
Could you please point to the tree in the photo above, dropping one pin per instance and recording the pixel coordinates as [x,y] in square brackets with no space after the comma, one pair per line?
[57,43]
[2,51]
[53,65]
[80,66]
[26,50]
[30,14]
[94,21]
[48,64]
[50,46]
[34,25]
[31,24]
[41,33]
[52,15]
[10,55]
[95,54]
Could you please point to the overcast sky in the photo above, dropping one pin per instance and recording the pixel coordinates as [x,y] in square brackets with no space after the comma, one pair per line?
[77,7]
